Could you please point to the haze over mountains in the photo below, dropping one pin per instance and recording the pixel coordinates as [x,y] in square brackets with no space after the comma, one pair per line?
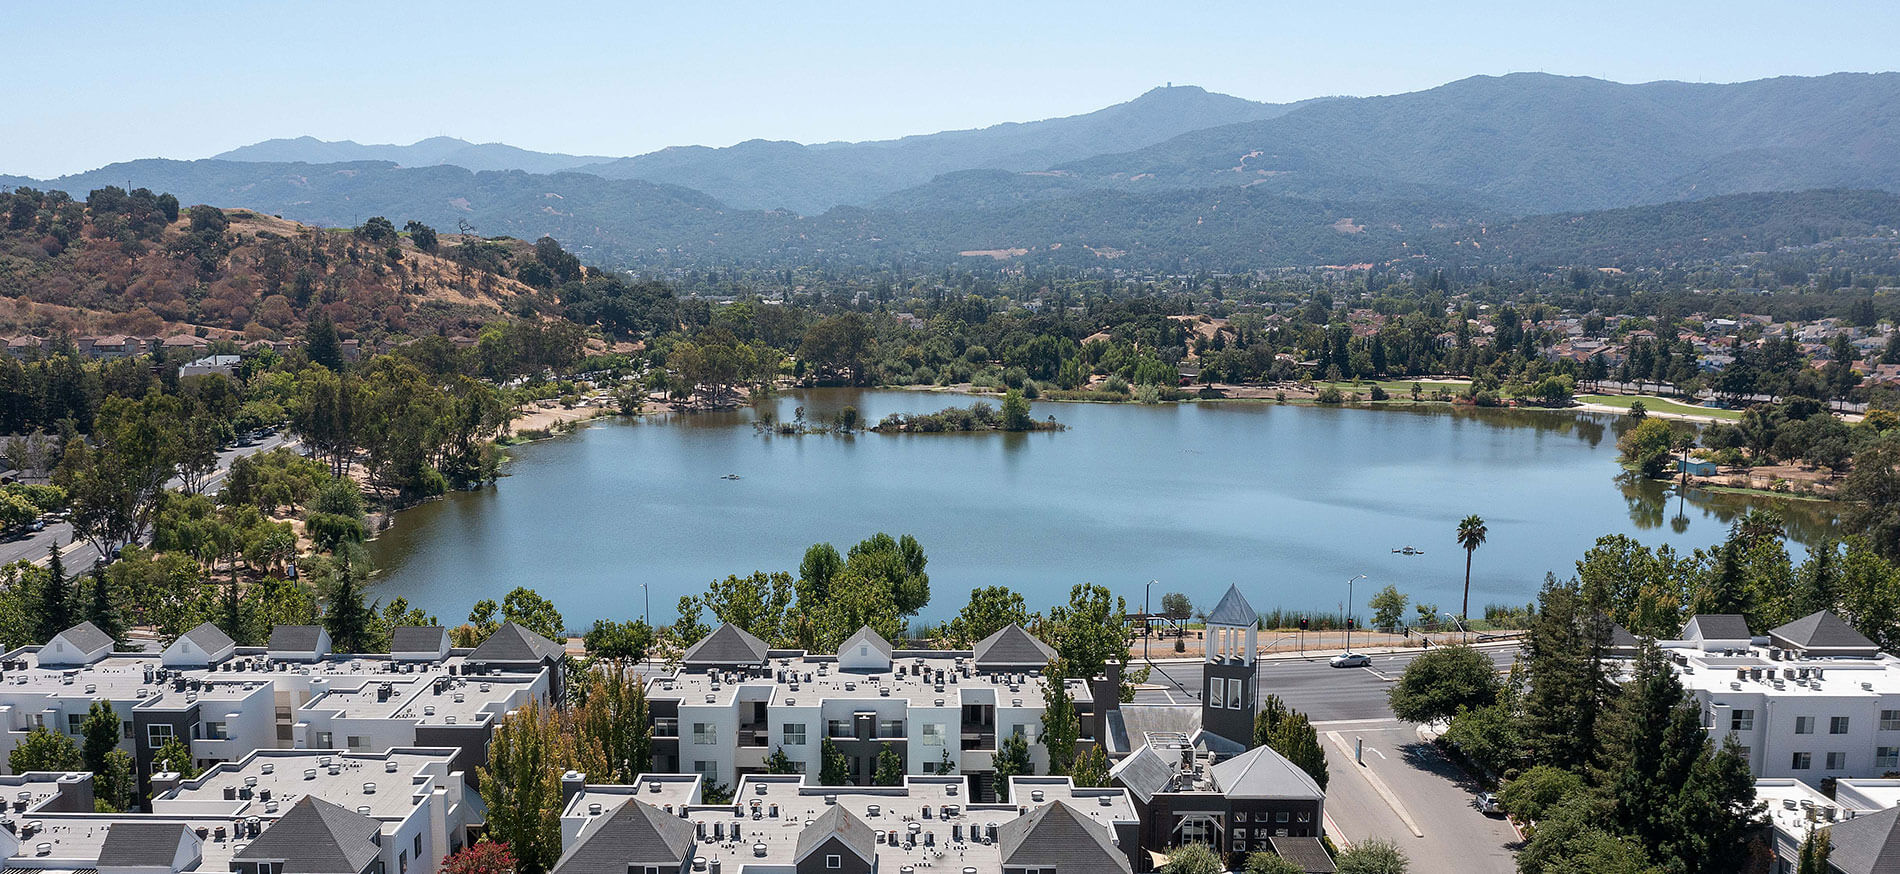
[1178,178]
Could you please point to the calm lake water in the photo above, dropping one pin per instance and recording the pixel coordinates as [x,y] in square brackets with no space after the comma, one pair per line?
[1288,502]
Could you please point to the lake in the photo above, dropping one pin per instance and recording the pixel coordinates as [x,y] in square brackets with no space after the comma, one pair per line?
[1287,501]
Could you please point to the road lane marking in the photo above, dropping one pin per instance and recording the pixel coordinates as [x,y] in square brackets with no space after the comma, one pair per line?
[1375,751]
[1378,785]
[1383,720]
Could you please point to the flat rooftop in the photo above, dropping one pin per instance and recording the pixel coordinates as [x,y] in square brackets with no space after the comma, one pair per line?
[429,699]
[1753,670]
[75,840]
[805,681]
[928,822]
[270,781]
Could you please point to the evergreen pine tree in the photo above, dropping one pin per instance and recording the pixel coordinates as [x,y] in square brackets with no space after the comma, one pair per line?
[350,621]
[1011,760]
[890,768]
[833,769]
[1815,849]
[1563,654]
[102,612]
[55,601]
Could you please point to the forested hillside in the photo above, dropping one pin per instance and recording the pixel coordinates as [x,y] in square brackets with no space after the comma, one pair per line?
[1541,143]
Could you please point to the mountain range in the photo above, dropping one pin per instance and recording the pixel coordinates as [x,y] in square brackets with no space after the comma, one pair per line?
[1177,178]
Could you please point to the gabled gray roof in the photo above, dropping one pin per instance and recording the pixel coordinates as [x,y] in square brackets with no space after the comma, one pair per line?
[131,843]
[1716,626]
[841,824]
[87,637]
[1011,646]
[317,837]
[418,638]
[1866,844]
[726,645]
[1233,609]
[1308,853]
[1056,836]
[1822,630]
[1263,773]
[1143,774]
[866,635]
[637,833]
[512,643]
[207,637]
[295,638]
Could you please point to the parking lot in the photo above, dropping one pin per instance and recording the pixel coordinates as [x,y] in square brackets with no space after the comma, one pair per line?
[1408,792]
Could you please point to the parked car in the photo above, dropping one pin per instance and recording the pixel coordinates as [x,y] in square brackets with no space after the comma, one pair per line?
[1351,660]
[1487,804]
[36,525]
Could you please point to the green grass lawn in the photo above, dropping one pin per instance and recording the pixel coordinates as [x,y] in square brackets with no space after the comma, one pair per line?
[1399,389]
[1660,405]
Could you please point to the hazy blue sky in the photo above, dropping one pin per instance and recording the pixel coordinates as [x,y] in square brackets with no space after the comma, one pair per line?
[100,82]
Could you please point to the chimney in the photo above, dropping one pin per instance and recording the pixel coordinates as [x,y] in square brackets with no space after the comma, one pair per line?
[572,784]
[163,782]
[1106,690]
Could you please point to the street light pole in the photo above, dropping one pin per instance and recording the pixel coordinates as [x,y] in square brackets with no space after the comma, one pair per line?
[1147,620]
[1349,606]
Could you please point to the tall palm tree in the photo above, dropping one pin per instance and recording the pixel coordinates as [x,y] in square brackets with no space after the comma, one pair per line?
[1471,533]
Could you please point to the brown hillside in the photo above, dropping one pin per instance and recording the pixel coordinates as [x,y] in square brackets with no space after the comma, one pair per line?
[66,267]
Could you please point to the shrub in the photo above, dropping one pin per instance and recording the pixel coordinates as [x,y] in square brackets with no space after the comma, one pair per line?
[1330,395]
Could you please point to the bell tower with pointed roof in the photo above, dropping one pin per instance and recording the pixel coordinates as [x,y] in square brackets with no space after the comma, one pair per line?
[1228,700]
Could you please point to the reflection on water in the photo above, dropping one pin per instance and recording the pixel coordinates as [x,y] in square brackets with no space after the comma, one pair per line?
[1651,501]
[1286,501]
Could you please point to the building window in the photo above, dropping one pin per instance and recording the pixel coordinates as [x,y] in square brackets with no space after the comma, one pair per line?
[889,728]
[838,728]
[219,731]
[704,733]
[270,868]
[1804,725]
[794,734]
[1280,817]
[1802,761]
[74,722]
[417,841]
[1305,816]
[709,770]
[1741,720]
[933,734]
[1837,761]
[834,861]
[1837,725]
[1887,757]
[1214,696]
[1890,720]
[1234,699]
[402,862]
[157,735]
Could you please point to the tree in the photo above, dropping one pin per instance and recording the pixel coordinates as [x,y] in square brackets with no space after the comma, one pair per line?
[890,768]
[1648,447]
[1270,863]
[100,733]
[322,344]
[1471,533]
[351,622]
[1388,608]
[1090,768]
[1873,489]
[1372,856]
[618,641]
[525,607]
[1194,858]
[780,763]
[1536,791]
[1569,686]
[612,727]
[1011,760]
[522,786]
[103,611]
[1016,412]
[991,608]
[43,750]
[482,857]
[1060,725]
[1175,605]
[425,239]
[1289,733]
[1443,681]
[1815,850]
[833,768]
[1090,631]
[115,783]
[55,601]
[175,756]
[1571,839]
[114,484]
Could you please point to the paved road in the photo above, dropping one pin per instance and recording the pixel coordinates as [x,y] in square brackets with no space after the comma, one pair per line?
[1324,693]
[1436,798]
[80,556]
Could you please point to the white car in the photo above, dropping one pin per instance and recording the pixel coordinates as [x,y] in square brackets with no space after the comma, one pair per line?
[1351,660]
[1488,805]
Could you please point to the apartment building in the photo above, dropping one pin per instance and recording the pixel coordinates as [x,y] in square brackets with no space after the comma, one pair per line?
[734,701]
[1257,801]
[784,823]
[226,701]
[1809,700]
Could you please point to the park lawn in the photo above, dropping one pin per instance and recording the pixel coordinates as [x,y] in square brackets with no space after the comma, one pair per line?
[1399,389]
[1660,405]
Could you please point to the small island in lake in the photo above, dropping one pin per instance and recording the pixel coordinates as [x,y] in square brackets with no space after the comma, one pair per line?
[979,416]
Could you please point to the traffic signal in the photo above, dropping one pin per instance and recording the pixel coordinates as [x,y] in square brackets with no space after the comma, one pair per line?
[1302,623]
[1351,623]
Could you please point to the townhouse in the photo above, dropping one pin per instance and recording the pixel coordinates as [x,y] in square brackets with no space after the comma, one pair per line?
[224,701]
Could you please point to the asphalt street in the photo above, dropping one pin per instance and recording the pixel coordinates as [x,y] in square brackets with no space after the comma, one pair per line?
[80,556]
[1309,685]
[1441,831]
